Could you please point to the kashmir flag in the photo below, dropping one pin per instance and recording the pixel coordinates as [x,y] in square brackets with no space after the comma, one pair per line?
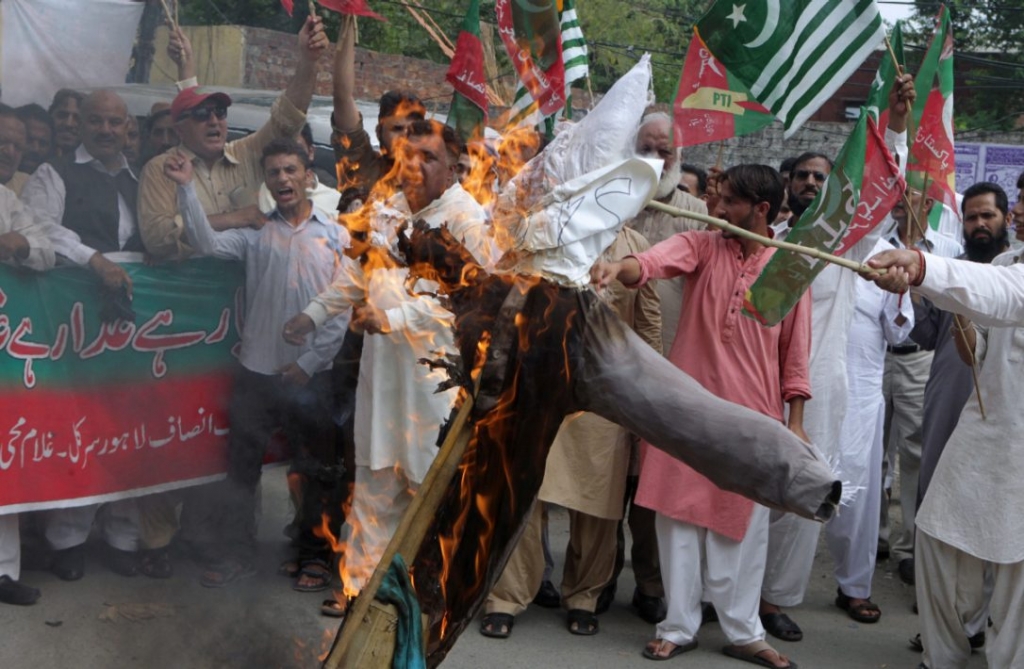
[931,151]
[468,114]
[792,61]
[712,105]
[885,77]
[862,188]
[532,36]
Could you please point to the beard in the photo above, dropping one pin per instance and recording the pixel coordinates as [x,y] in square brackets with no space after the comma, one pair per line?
[983,248]
[668,182]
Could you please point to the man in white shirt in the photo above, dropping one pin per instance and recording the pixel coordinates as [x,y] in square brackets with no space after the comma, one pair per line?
[296,255]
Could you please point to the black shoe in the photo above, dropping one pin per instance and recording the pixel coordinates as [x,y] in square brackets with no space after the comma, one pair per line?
[708,614]
[123,563]
[69,564]
[548,596]
[977,641]
[605,599]
[882,553]
[650,609]
[781,626]
[906,570]
[19,594]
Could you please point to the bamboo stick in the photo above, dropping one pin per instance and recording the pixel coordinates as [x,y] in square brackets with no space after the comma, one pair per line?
[169,14]
[411,529]
[860,268]
[962,335]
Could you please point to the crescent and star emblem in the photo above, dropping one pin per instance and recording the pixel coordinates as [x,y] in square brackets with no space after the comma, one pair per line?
[771,22]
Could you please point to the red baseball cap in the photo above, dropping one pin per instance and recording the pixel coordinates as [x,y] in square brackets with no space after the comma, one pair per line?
[192,97]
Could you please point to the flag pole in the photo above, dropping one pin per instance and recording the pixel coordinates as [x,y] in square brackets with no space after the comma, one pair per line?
[910,124]
[718,161]
[860,268]
[962,336]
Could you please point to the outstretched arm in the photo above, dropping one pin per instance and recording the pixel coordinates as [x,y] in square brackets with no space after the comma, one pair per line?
[346,115]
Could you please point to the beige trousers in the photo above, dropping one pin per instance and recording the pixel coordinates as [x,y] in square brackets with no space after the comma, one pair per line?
[589,563]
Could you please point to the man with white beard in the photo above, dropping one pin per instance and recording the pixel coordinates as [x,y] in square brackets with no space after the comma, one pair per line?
[654,140]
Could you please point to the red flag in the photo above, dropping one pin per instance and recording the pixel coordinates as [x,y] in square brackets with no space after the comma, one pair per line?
[289,6]
[352,8]
[533,39]
[880,187]
[712,105]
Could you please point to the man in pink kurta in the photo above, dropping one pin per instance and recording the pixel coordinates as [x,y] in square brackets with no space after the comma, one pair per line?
[739,360]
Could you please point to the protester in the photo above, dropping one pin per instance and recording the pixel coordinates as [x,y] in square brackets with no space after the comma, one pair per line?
[360,165]
[39,147]
[13,139]
[693,180]
[66,115]
[323,196]
[23,243]
[86,202]
[160,133]
[291,259]
[950,381]
[792,541]
[398,408]
[586,473]
[959,531]
[228,173]
[852,537]
[713,542]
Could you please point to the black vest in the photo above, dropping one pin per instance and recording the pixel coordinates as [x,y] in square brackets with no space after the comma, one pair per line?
[90,207]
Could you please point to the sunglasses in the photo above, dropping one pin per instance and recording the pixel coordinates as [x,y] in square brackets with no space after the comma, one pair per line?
[203,114]
[807,174]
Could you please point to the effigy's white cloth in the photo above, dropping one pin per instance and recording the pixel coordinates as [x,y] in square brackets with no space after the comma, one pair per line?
[52,44]
[567,205]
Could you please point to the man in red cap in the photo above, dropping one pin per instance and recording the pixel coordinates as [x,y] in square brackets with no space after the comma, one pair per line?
[229,172]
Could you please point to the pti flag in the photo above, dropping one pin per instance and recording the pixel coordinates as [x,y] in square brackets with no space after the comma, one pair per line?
[532,36]
[574,57]
[931,151]
[792,61]
[712,105]
[885,77]
[468,114]
[862,188]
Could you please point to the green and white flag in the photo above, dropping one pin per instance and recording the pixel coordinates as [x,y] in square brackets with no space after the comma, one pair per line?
[793,60]
[574,54]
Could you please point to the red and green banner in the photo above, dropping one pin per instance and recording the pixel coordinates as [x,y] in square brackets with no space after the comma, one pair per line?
[862,188]
[712,105]
[468,114]
[532,35]
[92,411]
[878,95]
[931,151]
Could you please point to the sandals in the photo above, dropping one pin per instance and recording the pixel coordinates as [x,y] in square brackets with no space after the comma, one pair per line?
[752,652]
[497,625]
[651,651]
[581,623]
[332,608]
[318,572]
[225,573]
[289,568]
[156,563]
[781,626]
[865,611]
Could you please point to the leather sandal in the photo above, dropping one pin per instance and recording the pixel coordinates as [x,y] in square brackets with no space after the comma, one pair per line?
[781,626]
[865,611]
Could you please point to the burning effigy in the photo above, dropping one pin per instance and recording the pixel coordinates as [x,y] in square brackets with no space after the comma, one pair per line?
[536,343]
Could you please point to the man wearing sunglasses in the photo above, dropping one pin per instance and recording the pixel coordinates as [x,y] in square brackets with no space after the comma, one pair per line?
[228,173]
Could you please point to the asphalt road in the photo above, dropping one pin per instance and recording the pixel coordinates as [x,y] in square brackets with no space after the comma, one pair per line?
[262,623]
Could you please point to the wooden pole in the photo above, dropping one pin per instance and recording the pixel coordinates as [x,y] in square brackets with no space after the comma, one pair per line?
[411,529]
[860,268]
[962,336]
[721,148]
[169,13]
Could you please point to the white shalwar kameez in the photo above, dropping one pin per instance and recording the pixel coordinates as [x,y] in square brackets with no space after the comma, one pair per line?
[852,535]
[792,541]
[971,512]
[398,411]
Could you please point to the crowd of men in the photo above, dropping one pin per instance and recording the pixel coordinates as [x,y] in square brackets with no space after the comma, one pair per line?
[869,377]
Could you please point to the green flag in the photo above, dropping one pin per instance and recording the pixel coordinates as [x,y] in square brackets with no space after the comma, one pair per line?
[468,114]
[792,58]
[878,95]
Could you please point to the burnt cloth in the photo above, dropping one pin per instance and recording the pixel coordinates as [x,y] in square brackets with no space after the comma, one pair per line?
[555,350]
